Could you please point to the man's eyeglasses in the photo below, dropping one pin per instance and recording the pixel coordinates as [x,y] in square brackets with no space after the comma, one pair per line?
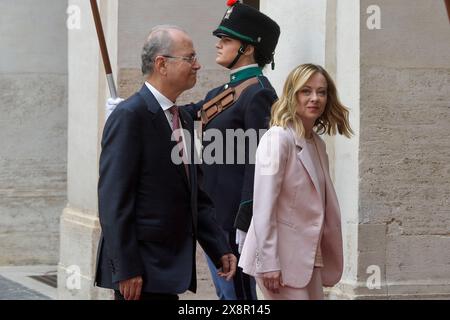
[191,59]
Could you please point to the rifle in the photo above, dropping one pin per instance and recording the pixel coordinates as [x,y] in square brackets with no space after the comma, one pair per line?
[103,49]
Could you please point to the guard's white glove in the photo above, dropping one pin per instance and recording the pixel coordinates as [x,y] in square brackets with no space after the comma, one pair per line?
[111,104]
[240,239]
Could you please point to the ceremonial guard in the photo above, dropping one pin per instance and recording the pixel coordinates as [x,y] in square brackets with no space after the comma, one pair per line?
[247,41]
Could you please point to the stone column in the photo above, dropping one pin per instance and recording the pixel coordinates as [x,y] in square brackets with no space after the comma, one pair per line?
[79,230]
[346,154]
[303,35]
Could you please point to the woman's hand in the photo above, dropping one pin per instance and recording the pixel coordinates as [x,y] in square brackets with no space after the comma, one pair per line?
[273,281]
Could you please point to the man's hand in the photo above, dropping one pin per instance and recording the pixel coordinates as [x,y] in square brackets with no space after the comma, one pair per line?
[240,239]
[272,281]
[131,288]
[229,262]
[111,104]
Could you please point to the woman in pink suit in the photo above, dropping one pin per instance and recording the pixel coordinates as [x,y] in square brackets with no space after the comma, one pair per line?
[294,244]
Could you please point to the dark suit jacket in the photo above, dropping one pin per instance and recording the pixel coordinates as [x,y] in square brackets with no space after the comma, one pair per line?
[230,186]
[151,214]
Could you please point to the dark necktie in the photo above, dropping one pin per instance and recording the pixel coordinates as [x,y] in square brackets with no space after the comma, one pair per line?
[174,110]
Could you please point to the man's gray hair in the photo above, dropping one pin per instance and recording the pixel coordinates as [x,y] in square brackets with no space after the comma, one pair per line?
[159,42]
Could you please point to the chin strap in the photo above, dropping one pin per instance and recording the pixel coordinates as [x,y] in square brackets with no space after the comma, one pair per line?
[273,60]
[239,54]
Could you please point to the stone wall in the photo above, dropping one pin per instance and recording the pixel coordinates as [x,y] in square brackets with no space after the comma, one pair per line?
[33,129]
[404,213]
[198,18]
[392,176]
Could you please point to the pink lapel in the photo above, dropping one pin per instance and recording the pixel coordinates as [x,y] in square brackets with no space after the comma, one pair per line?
[323,160]
[307,161]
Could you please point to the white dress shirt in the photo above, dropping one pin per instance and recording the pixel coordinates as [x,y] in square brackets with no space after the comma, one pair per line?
[166,104]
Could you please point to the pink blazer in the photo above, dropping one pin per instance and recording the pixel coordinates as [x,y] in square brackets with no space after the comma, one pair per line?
[288,213]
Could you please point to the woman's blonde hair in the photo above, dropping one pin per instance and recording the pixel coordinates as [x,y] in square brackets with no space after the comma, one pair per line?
[284,111]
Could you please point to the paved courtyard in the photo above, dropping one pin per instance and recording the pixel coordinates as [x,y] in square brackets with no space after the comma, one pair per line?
[17,283]
[14,291]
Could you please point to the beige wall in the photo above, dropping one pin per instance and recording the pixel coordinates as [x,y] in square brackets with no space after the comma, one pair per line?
[33,129]
[198,18]
[404,211]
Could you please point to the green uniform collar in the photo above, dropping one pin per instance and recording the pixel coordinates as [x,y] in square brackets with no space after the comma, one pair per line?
[246,74]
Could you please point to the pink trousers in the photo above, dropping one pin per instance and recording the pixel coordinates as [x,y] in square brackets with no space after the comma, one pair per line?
[313,291]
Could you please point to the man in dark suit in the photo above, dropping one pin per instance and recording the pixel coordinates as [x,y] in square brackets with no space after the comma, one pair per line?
[151,209]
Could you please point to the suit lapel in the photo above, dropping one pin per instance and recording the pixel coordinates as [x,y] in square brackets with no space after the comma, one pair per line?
[162,126]
[306,160]
[187,124]
[324,162]
[188,143]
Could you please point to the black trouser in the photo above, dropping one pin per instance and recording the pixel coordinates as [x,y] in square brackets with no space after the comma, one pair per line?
[148,296]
